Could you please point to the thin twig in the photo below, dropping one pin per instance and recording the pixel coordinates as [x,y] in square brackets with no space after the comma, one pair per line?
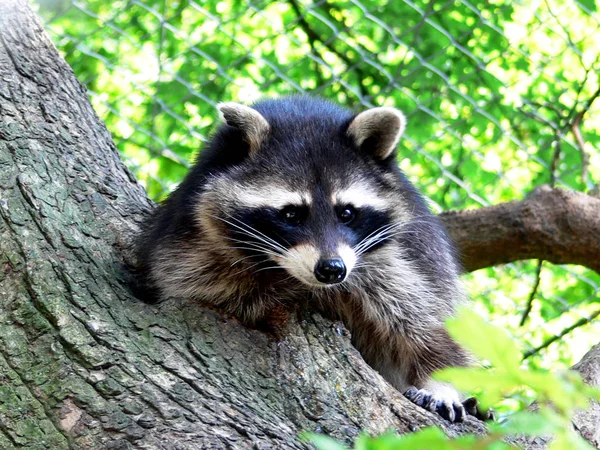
[417,31]
[455,171]
[579,323]
[585,158]
[590,101]
[555,158]
[566,31]
[536,285]
[313,36]
[575,127]
[579,91]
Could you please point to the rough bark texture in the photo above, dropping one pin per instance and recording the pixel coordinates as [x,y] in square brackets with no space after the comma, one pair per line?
[551,224]
[85,365]
[588,422]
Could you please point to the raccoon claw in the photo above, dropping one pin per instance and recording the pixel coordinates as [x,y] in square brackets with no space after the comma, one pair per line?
[450,410]
[471,407]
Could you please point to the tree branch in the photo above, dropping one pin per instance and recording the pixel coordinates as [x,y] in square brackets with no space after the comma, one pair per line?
[552,224]
[536,285]
[581,322]
[313,37]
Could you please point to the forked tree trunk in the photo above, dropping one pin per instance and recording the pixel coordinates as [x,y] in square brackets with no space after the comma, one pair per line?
[85,365]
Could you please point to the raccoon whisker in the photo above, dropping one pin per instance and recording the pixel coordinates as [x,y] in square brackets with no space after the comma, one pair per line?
[381,238]
[272,242]
[251,256]
[365,266]
[259,246]
[242,259]
[359,248]
[266,244]
[378,232]
[271,268]
[263,245]
[374,241]
[394,232]
[382,234]
[257,234]
[267,250]
[284,280]
[277,266]
[255,247]
[247,268]
[254,265]
[242,241]
[262,234]
[250,231]
[260,270]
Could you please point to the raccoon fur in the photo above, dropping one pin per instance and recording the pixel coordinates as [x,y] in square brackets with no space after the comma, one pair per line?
[299,198]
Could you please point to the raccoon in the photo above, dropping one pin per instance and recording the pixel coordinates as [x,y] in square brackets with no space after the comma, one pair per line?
[298,198]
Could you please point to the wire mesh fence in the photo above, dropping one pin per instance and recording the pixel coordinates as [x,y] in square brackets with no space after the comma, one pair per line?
[501,96]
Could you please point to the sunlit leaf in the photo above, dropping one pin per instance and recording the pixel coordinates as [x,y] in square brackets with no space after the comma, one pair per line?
[321,441]
[486,341]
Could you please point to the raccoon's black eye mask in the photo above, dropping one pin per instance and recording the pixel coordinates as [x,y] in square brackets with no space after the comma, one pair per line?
[297,215]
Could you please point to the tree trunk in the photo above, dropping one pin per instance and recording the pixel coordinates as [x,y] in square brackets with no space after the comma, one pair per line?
[83,363]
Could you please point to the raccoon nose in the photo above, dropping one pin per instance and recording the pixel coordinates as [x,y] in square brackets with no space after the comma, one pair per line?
[330,271]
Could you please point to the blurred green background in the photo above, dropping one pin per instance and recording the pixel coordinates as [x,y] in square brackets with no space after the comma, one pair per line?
[501,96]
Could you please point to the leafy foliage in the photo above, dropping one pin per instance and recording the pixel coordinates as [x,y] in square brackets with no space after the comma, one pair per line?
[501,96]
[558,396]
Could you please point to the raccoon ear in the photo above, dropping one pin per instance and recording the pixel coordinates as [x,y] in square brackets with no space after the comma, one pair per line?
[378,130]
[253,126]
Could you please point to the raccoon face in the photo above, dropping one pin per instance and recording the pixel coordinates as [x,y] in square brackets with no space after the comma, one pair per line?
[332,235]
[314,196]
[318,236]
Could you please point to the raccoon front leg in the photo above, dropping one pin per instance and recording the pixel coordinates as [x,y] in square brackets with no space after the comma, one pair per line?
[440,398]
[427,352]
[444,400]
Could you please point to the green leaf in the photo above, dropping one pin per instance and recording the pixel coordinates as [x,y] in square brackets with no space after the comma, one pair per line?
[566,391]
[531,424]
[493,385]
[484,340]
[431,438]
[589,5]
[321,441]
[567,439]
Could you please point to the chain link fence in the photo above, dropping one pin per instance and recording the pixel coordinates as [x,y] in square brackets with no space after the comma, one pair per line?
[501,96]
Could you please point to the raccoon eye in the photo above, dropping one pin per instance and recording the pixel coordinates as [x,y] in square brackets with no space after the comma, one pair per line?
[293,215]
[347,214]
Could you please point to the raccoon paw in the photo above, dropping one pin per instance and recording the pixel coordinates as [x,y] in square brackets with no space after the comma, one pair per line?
[446,404]
[472,408]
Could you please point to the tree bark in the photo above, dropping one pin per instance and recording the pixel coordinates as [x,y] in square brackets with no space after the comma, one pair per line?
[586,422]
[551,224]
[85,365]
